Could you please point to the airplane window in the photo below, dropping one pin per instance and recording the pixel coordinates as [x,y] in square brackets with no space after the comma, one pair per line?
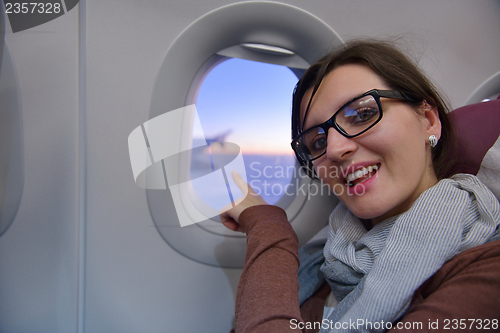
[242,103]
[248,103]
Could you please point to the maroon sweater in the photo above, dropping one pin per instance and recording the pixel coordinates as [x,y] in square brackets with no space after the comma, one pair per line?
[467,287]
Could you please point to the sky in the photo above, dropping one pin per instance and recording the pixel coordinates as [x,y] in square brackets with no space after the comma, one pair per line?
[251,99]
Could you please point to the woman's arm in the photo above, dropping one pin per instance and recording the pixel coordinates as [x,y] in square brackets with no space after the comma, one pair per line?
[267,298]
[464,295]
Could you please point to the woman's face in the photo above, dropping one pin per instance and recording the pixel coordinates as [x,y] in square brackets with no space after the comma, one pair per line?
[395,152]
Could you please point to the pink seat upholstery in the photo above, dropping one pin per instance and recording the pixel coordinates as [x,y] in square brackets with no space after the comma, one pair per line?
[477,127]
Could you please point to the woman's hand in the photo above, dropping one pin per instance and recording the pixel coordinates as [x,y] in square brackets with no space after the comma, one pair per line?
[231,217]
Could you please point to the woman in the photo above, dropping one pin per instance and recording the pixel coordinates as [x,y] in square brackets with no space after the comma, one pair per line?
[406,249]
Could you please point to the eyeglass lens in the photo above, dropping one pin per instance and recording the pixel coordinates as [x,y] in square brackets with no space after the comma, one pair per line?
[353,118]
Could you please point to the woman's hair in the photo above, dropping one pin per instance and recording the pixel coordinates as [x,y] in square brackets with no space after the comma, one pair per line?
[398,72]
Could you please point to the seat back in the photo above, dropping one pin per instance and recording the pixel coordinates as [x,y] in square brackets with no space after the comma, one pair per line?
[477,127]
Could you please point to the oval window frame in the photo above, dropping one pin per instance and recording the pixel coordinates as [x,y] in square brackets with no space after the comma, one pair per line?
[190,57]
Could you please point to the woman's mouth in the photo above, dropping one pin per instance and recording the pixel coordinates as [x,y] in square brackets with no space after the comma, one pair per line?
[361,175]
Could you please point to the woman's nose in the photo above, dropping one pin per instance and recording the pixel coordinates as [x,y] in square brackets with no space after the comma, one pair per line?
[338,146]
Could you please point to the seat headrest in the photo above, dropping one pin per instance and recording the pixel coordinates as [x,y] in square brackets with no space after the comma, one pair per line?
[477,127]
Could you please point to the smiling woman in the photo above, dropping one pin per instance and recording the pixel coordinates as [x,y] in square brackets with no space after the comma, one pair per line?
[366,120]
[395,146]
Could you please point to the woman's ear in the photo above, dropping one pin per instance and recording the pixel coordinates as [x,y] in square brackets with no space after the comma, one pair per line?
[432,121]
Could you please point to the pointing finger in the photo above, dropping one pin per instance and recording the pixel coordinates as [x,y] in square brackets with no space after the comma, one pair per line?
[243,186]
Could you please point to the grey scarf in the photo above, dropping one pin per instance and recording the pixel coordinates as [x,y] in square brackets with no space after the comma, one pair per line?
[374,274]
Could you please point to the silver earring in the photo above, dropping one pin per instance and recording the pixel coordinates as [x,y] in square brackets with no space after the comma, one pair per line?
[433,141]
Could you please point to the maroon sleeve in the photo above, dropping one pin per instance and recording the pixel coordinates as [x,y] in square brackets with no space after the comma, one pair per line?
[464,295]
[267,298]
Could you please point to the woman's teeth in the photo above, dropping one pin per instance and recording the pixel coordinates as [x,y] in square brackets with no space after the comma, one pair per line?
[361,173]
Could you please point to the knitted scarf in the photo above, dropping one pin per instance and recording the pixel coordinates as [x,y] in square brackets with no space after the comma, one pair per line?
[374,274]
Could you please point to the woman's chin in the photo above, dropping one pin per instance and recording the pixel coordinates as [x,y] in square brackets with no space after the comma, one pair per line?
[365,210]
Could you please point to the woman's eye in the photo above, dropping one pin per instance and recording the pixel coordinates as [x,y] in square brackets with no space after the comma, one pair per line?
[364,115]
[318,143]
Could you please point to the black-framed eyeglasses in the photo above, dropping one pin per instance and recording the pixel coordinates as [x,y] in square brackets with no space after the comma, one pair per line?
[354,118]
